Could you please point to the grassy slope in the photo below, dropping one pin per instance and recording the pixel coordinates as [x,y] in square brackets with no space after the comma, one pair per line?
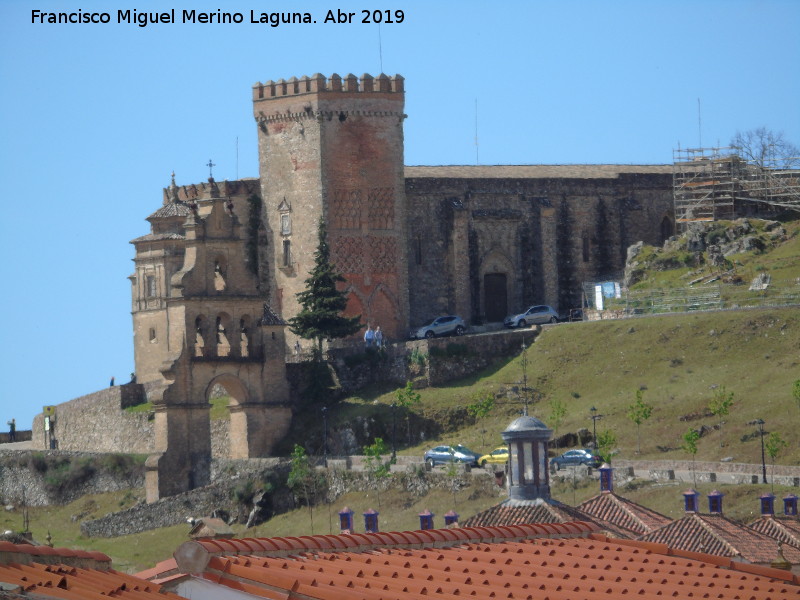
[677,359]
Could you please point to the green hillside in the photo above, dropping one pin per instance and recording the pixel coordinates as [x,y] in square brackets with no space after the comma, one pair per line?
[678,360]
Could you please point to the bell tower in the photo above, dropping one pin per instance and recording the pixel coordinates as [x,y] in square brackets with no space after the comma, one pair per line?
[333,147]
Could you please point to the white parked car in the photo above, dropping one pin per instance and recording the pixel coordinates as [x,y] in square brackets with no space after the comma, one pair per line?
[535,315]
[449,325]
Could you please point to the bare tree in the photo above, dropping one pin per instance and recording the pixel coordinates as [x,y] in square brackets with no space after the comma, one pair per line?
[766,148]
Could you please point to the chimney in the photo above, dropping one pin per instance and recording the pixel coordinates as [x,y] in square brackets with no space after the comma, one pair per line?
[426,520]
[346,520]
[767,505]
[715,502]
[451,519]
[790,505]
[371,521]
[690,501]
[606,478]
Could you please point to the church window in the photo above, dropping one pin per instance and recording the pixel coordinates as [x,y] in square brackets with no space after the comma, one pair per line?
[418,249]
[150,286]
[223,347]
[219,275]
[286,225]
[586,248]
[199,341]
[152,335]
[287,253]
[244,338]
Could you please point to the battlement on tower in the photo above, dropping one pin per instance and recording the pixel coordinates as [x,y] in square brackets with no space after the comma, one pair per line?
[317,84]
[195,192]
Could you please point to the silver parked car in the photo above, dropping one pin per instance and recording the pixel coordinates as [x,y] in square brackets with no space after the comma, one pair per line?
[535,315]
[449,325]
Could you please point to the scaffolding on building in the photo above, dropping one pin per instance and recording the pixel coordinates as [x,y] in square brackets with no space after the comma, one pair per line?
[710,184]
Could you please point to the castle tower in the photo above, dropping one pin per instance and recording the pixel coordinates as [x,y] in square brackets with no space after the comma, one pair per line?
[333,148]
[201,322]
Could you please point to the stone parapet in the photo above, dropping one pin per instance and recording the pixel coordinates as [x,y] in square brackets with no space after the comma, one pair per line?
[318,83]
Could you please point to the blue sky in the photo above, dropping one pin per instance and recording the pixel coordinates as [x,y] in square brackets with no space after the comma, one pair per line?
[93,118]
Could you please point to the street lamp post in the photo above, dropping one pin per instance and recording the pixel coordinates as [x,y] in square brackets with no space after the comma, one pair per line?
[394,429]
[760,423]
[325,435]
[525,376]
[594,418]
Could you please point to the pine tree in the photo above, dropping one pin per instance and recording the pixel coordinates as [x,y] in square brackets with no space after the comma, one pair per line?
[321,318]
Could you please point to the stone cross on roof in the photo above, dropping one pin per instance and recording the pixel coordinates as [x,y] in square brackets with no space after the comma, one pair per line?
[210,165]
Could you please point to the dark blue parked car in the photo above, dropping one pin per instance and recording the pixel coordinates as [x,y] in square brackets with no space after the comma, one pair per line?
[442,455]
[576,457]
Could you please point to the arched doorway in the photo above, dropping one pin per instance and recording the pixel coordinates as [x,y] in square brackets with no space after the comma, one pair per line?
[228,420]
[495,296]
[667,230]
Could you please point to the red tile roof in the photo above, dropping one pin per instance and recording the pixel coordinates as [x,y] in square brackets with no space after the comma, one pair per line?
[510,512]
[783,529]
[718,535]
[623,513]
[46,572]
[556,561]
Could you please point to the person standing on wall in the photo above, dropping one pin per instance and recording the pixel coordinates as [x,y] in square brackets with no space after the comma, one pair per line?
[12,430]
[369,337]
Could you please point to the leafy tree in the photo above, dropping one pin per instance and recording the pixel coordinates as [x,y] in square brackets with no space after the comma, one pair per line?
[302,480]
[558,411]
[606,440]
[720,406]
[452,473]
[483,403]
[796,392]
[407,398]
[377,468]
[690,445]
[774,444]
[764,147]
[321,318]
[639,412]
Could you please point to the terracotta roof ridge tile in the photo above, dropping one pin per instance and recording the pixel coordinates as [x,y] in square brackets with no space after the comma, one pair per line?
[714,531]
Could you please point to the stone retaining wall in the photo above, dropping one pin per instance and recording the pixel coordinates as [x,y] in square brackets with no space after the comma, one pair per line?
[175,510]
[21,436]
[19,482]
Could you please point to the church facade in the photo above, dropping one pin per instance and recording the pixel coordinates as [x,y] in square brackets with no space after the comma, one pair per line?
[217,276]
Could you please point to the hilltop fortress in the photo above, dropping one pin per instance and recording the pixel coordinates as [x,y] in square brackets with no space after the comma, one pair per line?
[217,276]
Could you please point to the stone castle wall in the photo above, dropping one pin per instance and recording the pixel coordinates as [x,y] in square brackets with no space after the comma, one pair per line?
[545,235]
[97,423]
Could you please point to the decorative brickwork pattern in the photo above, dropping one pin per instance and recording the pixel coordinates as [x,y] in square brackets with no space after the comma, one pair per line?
[347,253]
[346,209]
[383,254]
[381,208]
